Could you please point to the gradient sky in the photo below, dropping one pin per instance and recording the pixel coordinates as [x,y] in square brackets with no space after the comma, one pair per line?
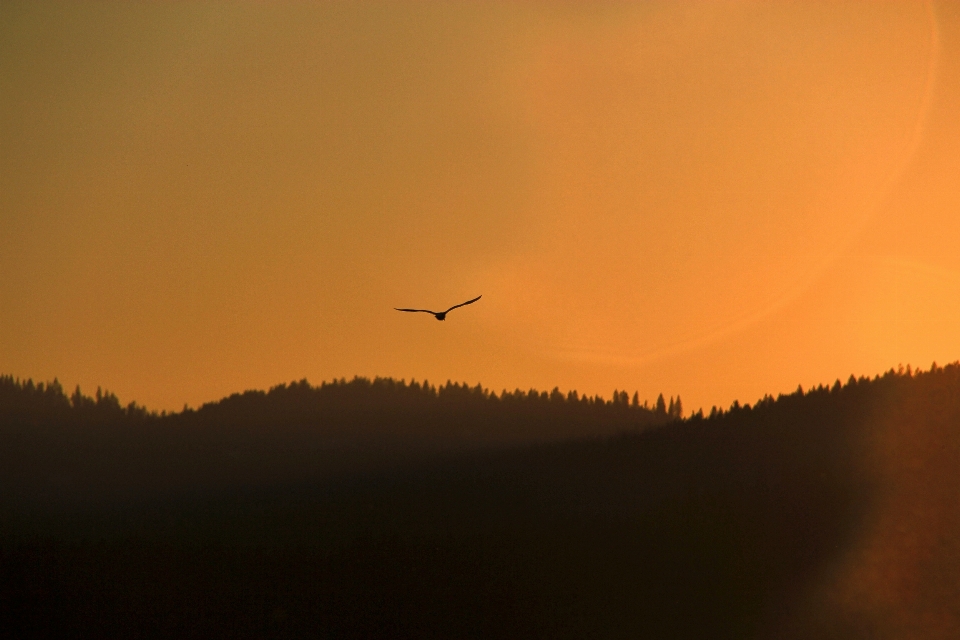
[715,200]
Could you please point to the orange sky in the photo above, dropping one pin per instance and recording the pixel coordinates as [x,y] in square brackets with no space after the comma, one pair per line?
[716,200]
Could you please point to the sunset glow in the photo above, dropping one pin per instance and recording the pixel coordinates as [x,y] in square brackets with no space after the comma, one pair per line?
[716,200]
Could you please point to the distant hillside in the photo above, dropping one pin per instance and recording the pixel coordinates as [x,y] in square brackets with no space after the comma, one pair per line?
[381,509]
[419,407]
[92,447]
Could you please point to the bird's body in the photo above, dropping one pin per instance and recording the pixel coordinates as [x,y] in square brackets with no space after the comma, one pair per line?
[440,315]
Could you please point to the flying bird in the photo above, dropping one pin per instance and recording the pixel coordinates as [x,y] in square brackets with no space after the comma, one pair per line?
[441,315]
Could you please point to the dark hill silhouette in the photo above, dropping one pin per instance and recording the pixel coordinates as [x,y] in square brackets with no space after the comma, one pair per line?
[387,509]
[90,448]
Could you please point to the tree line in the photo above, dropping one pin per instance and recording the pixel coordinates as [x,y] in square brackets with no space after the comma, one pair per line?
[26,402]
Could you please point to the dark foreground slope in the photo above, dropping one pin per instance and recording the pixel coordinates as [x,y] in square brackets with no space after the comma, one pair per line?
[827,514]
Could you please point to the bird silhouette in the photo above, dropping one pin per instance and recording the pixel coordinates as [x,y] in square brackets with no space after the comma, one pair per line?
[441,315]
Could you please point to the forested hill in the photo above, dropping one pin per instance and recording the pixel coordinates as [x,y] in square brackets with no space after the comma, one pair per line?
[371,509]
[452,413]
[382,404]
[56,445]
[59,446]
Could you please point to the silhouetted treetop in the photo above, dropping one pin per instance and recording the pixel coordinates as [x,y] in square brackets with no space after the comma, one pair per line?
[24,403]
[433,408]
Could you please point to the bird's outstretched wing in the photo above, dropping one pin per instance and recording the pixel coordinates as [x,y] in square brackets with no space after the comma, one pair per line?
[462,304]
[417,310]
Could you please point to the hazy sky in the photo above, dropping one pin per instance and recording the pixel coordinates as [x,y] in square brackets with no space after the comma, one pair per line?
[716,200]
